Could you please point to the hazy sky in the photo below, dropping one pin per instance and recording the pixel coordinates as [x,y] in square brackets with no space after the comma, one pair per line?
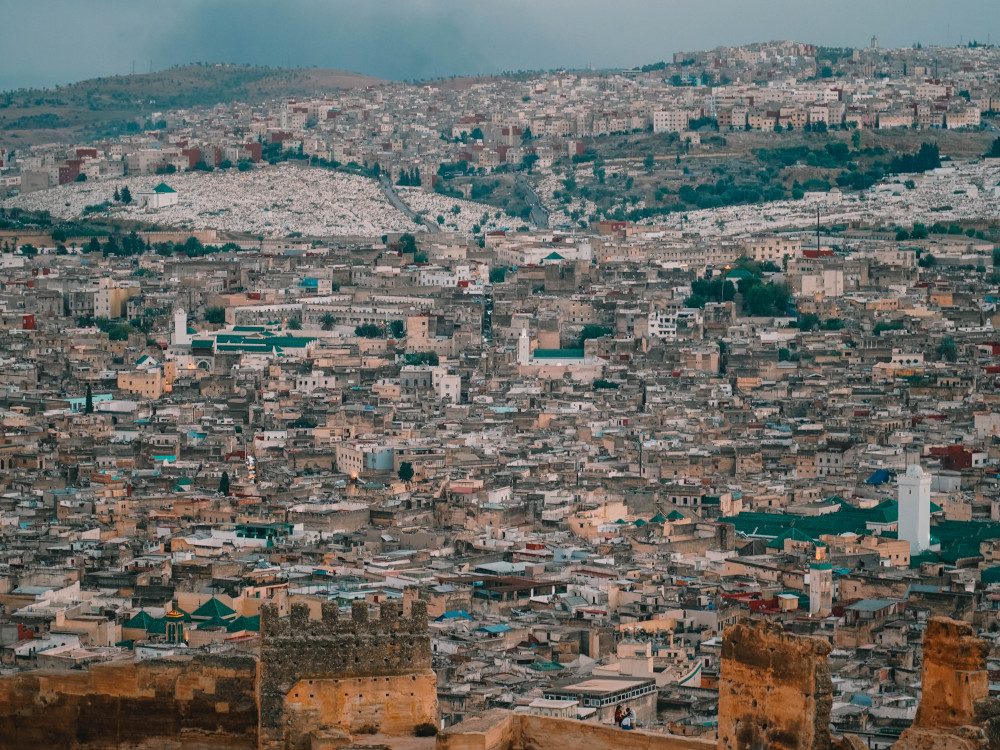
[49,42]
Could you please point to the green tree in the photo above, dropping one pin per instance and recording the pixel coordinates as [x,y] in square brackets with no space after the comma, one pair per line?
[397,328]
[947,349]
[695,300]
[498,274]
[591,331]
[94,246]
[405,472]
[528,162]
[215,315]
[295,324]
[649,162]
[833,324]
[927,261]
[126,195]
[224,484]
[856,139]
[88,405]
[368,331]
[58,235]
[327,321]
[407,243]
[808,321]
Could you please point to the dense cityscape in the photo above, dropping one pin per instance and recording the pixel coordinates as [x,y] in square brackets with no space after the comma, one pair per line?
[527,398]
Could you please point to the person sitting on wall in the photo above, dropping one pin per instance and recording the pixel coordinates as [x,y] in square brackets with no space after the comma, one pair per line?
[619,714]
[628,721]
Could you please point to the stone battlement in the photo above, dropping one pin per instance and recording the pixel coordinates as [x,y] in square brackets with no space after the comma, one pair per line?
[333,622]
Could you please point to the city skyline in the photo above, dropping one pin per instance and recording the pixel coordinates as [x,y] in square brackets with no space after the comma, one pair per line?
[431,40]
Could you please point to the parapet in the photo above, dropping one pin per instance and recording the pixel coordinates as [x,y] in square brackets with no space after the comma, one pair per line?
[332,621]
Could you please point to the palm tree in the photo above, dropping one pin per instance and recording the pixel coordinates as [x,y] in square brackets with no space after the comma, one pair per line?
[327,321]
[294,324]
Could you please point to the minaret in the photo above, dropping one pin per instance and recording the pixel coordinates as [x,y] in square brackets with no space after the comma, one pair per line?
[523,348]
[914,495]
[180,337]
[820,584]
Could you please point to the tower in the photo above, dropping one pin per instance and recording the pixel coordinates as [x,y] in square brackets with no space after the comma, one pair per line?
[914,495]
[874,42]
[523,348]
[175,626]
[820,583]
[180,337]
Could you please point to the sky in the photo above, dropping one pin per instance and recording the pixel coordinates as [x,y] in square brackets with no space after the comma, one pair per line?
[50,42]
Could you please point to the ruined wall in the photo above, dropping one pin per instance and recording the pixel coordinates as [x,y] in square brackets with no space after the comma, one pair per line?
[955,712]
[345,674]
[504,730]
[195,703]
[775,690]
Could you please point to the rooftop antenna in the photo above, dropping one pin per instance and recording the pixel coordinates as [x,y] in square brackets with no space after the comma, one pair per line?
[133,66]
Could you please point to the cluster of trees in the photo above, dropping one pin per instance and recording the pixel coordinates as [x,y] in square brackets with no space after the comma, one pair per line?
[447,170]
[421,358]
[704,291]
[395,328]
[811,321]
[994,152]
[591,331]
[116,330]
[410,177]
[124,196]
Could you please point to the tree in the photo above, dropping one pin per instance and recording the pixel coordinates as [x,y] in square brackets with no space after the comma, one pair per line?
[649,162]
[591,331]
[808,321]
[833,324]
[295,324]
[407,243]
[397,328]
[327,321]
[94,246]
[528,162]
[368,331]
[58,235]
[126,195]
[498,274]
[856,139]
[405,472]
[947,350]
[695,300]
[215,315]
[224,484]
[117,196]
[88,405]
[927,261]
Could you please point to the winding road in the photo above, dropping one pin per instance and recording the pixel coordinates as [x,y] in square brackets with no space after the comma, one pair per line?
[539,216]
[390,192]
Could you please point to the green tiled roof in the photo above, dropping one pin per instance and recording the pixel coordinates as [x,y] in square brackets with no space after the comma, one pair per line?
[558,353]
[213,608]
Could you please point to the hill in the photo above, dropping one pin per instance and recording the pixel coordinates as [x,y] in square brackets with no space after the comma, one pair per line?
[103,106]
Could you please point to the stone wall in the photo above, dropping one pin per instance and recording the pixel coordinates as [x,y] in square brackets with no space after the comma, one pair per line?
[955,712]
[775,690]
[504,730]
[348,674]
[194,703]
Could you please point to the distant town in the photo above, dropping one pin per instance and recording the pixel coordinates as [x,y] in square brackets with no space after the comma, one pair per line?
[473,413]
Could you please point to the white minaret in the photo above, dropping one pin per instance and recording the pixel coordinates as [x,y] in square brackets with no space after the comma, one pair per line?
[180,337]
[523,348]
[914,495]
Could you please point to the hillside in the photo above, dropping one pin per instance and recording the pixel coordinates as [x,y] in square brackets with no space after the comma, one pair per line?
[102,106]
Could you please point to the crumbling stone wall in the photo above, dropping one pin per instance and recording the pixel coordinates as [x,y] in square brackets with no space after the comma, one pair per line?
[349,674]
[191,703]
[955,712]
[775,690]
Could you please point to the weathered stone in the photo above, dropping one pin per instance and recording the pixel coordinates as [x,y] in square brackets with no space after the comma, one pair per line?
[775,690]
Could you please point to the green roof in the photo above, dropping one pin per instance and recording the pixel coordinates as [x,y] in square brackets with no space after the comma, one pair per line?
[558,353]
[790,533]
[657,519]
[142,621]
[163,188]
[213,608]
[244,623]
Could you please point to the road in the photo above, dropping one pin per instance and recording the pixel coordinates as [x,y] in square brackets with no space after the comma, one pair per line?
[539,216]
[390,192]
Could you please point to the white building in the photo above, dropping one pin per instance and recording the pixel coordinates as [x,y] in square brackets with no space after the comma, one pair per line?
[914,495]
